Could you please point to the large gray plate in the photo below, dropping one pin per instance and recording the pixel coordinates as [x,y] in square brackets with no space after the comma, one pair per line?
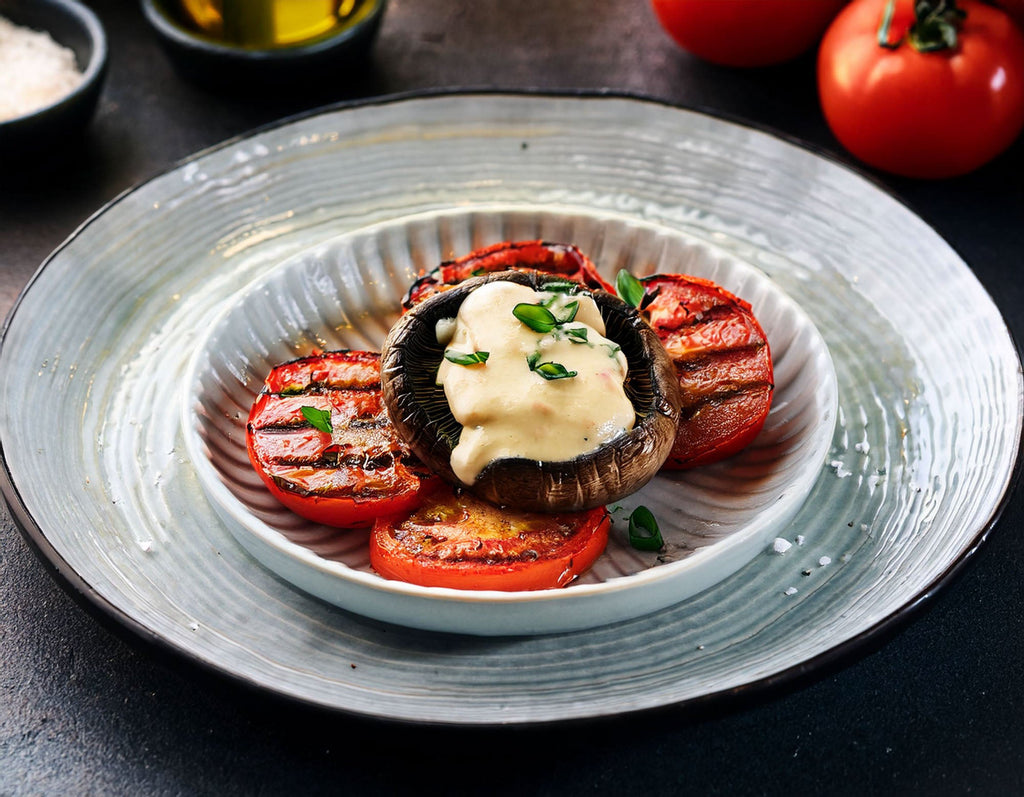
[930,399]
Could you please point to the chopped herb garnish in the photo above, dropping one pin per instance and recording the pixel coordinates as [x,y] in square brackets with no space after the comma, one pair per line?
[549,370]
[577,334]
[629,288]
[612,349]
[540,319]
[318,419]
[479,271]
[644,534]
[460,358]
[552,371]
[537,318]
[560,287]
[568,312]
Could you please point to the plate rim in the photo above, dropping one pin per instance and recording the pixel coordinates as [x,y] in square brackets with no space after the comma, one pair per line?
[135,632]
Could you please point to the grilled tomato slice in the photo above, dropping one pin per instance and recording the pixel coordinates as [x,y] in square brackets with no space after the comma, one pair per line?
[456,540]
[320,438]
[563,260]
[723,360]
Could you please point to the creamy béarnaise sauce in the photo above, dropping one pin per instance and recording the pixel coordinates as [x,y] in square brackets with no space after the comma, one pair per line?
[522,393]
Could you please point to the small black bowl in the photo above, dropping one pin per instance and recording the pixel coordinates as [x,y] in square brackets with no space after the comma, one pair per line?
[57,126]
[218,64]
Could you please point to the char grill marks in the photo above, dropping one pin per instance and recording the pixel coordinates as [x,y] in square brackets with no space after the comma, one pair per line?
[718,356]
[361,455]
[723,362]
[718,347]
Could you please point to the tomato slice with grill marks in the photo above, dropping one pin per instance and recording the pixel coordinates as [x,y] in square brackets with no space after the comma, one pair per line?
[724,364]
[348,477]
[550,258]
[455,540]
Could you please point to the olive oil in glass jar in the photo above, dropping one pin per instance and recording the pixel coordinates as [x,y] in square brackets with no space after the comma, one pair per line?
[266,24]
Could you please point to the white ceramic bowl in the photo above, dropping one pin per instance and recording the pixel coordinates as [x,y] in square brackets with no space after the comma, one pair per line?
[345,294]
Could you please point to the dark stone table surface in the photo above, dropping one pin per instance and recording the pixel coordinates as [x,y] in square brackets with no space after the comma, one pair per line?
[935,707]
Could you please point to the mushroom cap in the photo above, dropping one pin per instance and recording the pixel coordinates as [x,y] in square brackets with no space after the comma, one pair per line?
[419,409]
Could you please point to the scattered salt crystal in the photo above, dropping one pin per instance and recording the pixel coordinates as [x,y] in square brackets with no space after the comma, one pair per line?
[863,448]
[780,545]
[841,471]
[35,71]
[825,560]
[791,591]
[800,539]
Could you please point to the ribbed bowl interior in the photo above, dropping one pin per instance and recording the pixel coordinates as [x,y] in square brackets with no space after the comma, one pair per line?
[346,293]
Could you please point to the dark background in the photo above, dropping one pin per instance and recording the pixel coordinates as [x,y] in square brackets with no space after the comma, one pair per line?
[935,706]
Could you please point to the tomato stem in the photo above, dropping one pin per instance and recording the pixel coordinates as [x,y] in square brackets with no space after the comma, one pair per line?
[935,28]
[885,26]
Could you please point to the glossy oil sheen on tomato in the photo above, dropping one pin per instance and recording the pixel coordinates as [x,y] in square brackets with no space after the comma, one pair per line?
[506,408]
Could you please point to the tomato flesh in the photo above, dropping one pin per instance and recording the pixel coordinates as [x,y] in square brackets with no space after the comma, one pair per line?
[349,477]
[455,540]
[550,258]
[723,361]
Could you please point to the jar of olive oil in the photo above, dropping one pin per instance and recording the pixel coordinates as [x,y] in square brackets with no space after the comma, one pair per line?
[266,24]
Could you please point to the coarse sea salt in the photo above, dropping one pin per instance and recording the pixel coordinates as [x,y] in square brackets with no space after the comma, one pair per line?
[781,545]
[35,71]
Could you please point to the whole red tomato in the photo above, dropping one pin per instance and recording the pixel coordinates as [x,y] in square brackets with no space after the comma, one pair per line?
[746,32]
[915,111]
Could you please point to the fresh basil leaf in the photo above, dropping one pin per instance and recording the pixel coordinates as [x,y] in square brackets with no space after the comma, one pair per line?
[318,419]
[560,287]
[577,334]
[552,371]
[568,312]
[629,288]
[537,318]
[644,534]
[460,358]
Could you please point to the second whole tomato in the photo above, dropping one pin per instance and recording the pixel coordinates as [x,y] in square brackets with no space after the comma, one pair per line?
[925,89]
[746,33]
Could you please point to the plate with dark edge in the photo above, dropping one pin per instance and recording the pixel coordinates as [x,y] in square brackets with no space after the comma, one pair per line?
[923,451]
